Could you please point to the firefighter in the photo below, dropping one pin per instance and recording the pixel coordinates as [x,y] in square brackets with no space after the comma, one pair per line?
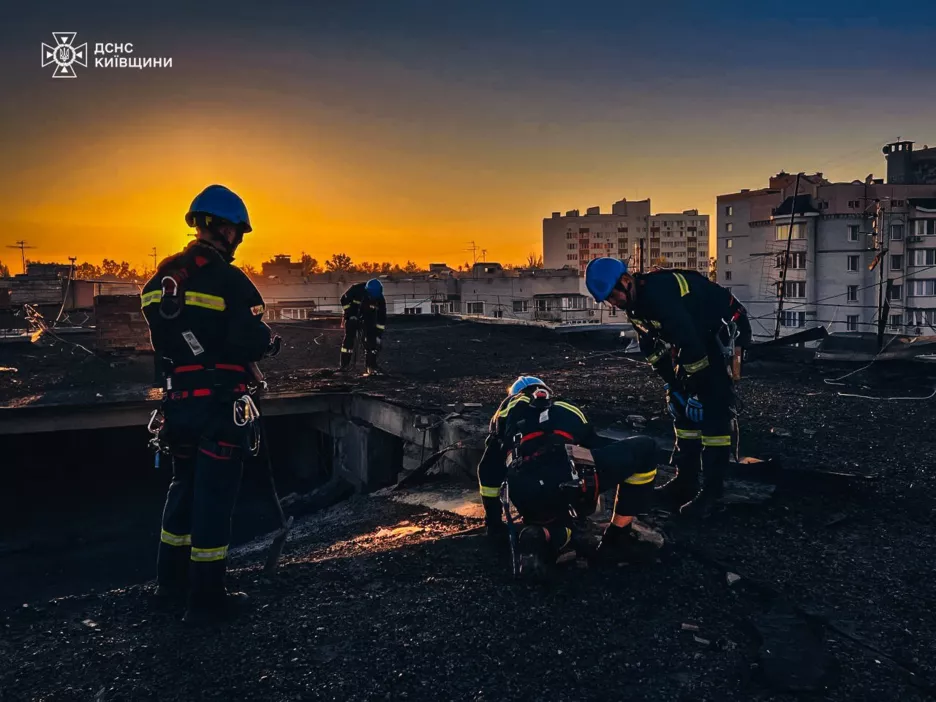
[205,319]
[363,304]
[688,327]
[527,446]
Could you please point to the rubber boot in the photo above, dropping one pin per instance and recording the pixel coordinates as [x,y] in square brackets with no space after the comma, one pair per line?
[714,469]
[623,545]
[682,488]
[370,363]
[172,567]
[345,360]
[209,601]
[533,553]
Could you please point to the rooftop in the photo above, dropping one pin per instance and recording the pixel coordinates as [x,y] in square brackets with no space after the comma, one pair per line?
[373,598]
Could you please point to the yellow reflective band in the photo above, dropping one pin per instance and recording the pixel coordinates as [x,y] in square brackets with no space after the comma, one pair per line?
[657,324]
[697,366]
[209,302]
[641,478]
[207,555]
[257,309]
[568,537]
[716,440]
[683,285]
[572,408]
[513,403]
[175,539]
[489,491]
[344,350]
[151,298]
[344,307]
[381,327]
[688,433]
[355,302]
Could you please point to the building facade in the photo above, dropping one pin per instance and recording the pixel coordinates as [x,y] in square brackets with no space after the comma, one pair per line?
[630,232]
[852,251]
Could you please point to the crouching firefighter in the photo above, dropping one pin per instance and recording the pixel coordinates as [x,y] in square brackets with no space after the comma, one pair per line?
[692,331]
[529,444]
[205,320]
[364,309]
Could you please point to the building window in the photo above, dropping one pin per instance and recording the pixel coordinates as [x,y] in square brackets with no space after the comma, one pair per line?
[729,227]
[729,243]
[897,203]
[727,258]
[727,275]
[797,260]
[852,263]
[729,210]
[853,232]
[794,319]
[895,292]
[475,307]
[924,227]
[853,293]
[922,288]
[854,204]
[794,288]
[521,305]
[896,320]
[922,257]
[897,262]
[897,232]
[412,310]
[584,230]
[851,322]
[783,231]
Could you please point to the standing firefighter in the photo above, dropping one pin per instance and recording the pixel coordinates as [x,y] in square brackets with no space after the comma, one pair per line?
[364,308]
[205,320]
[527,446]
[688,327]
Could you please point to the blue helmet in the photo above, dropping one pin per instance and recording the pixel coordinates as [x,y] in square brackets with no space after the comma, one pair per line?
[522,383]
[218,201]
[374,288]
[602,275]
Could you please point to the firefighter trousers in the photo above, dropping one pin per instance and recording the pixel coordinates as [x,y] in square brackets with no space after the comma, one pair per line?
[627,466]
[196,522]
[352,325]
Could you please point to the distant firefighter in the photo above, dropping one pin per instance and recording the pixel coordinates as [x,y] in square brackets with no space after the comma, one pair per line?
[527,452]
[205,319]
[364,310]
[690,330]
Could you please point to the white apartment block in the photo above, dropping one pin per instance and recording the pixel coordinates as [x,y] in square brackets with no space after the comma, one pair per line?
[630,232]
[851,246]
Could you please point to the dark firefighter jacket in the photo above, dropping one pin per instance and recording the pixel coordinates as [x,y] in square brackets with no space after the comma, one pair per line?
[357,303]
[215,317]
[538,427]
[676,316]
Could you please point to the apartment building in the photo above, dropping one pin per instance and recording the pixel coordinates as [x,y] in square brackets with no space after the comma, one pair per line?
[629,231]
[852,250]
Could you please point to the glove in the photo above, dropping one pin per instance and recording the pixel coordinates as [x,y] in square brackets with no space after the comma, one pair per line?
[675,402]
[694,410]
[276,344]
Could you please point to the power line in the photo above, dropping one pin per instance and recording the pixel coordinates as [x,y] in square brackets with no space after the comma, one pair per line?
[22,246]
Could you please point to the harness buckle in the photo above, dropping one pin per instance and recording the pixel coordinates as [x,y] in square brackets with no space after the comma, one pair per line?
[169,305]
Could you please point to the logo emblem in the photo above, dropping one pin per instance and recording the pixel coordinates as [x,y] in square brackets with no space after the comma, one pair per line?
[64,54]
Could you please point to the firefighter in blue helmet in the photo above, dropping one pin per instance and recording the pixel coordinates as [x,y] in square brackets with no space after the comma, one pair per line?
[206,327]
[364,308]
[688,327]
[527,445]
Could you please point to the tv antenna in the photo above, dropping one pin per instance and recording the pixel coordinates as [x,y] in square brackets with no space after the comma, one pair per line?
[22,246]
[474,251]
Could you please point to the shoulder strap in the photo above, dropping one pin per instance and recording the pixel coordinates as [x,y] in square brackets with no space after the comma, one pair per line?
[176,276]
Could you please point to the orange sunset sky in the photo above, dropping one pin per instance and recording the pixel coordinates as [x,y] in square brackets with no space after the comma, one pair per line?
[395,131]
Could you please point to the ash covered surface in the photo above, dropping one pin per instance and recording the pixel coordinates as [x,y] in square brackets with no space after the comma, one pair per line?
[437,619]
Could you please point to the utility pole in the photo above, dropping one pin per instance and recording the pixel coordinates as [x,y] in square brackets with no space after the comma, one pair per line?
[786,258]
[883,297]
[22,246]
[154,258]
[641,254]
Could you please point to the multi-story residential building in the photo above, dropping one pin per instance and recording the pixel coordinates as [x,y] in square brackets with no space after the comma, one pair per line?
[848,248]
[671,240]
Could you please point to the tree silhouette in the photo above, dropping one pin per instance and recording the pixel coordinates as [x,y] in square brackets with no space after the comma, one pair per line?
[4,271]
[534,261]
[411,267]
[339,262]
[310,266]
[713,270]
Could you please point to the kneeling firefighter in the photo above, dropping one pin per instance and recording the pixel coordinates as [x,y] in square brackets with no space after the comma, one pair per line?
[528,447]
[692,331]
[364,307]
[205,319]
